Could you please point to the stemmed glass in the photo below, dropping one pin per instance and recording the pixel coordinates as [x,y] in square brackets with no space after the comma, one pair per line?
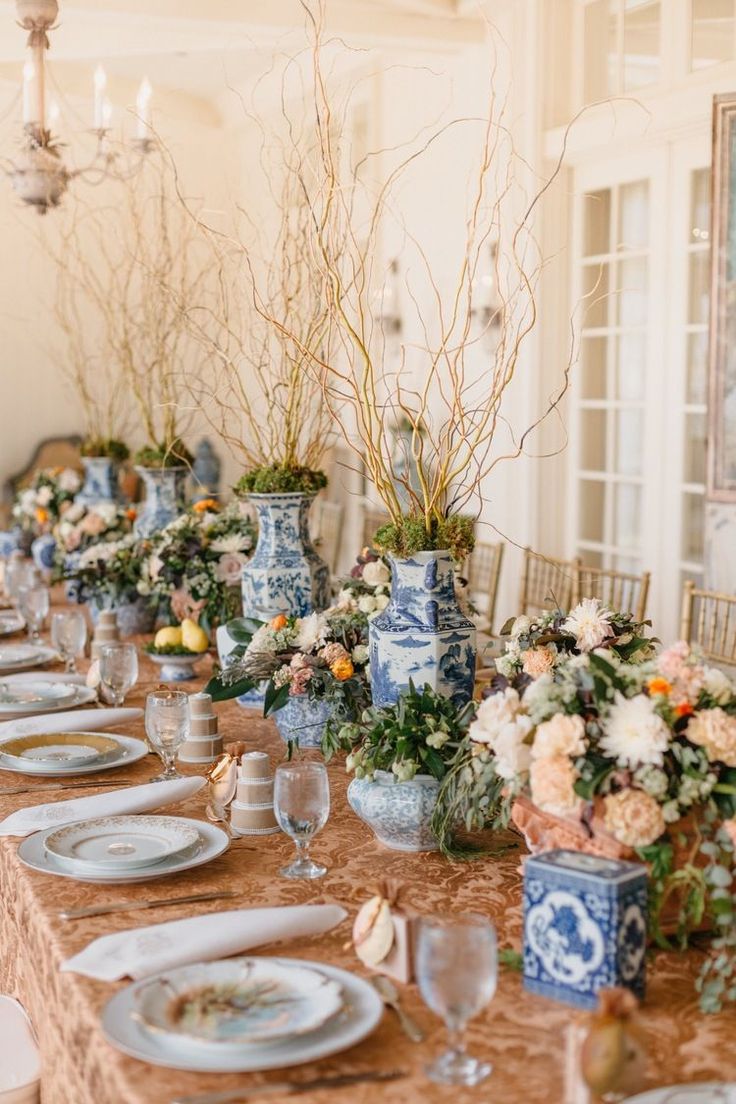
[33,603]
[167,727]
[68,636]
[118,670]
[20,573]
[457,967]
[301,802]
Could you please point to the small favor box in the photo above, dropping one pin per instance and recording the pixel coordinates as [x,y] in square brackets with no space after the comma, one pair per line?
[585,926]
[204,744]
[383,937]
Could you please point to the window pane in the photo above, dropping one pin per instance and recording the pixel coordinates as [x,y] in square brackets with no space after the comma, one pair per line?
[593,356]
[627,521]
[600,60]
[631,363]
[699,286]
[694,448]
[596,298]
[627,563]
[632,292]
[712,35]
[592,510]
[697,367]
[597,223]
[693,525]
[641,43]
[700,204]
[593,451]
[633,230]
[590,559]
[629,442]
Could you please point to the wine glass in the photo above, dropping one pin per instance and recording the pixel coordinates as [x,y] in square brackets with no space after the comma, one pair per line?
[33,603]
[301,802]
[118,670]
[20,573]
[167,727]
[68,636]
[456,962]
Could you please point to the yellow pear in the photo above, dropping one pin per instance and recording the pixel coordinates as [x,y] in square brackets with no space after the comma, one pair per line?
[193,637]
[170,637]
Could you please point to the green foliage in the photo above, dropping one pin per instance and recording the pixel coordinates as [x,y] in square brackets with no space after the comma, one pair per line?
[281,480]
[454,534]
[173,454]
[170,650]
[510,960]
[108,447]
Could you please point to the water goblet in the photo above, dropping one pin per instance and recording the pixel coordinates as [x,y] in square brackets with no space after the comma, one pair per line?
[118,670]
[301,802]
[14,576]
[167,728]
[457,969]
[68,636]
[33,603]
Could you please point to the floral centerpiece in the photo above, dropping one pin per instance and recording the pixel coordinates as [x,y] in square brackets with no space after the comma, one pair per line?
[109,575]
[81,526]
[368,586]
[196,561]
[315,668]
[38,507]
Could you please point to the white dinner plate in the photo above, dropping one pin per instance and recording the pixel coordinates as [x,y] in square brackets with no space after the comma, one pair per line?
[710,1092]
[362,1012]
[10,622]
[237,1002]
[80,695]
[120,843]
[16,657]
[17,697]
[213,842]
[128,750]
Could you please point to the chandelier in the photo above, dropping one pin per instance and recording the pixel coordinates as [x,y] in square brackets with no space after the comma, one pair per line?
[39,174]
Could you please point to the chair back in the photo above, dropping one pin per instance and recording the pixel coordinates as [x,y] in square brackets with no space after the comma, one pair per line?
[326,530]
[709,620]
[483,571]
[546,583]
[618,590]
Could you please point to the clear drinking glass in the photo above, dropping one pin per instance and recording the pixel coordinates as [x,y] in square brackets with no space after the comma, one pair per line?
[68,636]
[301,802]
[167,727]
[20,573]
[118,670]
[457,968]
[33,603]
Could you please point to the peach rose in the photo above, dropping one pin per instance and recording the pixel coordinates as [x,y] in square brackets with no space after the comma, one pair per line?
[716,732]
[537,661]
[561,735]
[278,622]
[633,817]
[93,525]
[551,781]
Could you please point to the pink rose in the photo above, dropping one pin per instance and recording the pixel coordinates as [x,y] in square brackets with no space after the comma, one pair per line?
[229,568]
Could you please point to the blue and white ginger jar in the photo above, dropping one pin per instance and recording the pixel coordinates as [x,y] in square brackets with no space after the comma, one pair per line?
[165,498]
[303,720]
[100,481]
[399,813]
[43,551]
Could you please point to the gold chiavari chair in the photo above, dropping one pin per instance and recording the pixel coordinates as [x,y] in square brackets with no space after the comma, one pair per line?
[618,590]
[546,583]
[483,571]
[373,519]
[326,530]
[709,620]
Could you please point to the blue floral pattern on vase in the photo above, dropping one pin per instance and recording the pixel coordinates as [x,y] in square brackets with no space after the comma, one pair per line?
[43,551]
[303,720]
[9,542]
[585,926]
[165,498]
[285,575]
[422,635]
[399,813]
[100,481]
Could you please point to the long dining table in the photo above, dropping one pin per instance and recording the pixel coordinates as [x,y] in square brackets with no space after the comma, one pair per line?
[522,1035]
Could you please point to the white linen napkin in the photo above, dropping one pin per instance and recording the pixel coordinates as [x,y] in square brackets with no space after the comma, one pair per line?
[119,802]
[71,720]
[140,952]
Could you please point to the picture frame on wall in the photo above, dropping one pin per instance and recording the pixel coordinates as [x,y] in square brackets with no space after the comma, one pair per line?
[722,343]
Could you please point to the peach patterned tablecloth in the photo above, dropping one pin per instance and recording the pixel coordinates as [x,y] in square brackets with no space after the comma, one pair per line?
[522,1035]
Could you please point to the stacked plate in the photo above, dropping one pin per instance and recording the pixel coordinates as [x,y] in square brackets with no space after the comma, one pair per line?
[10,622]
[16,657]
[242,1014]
[68,753]
[42,696]
[123,849]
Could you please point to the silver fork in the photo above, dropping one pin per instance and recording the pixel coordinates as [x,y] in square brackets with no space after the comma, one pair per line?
[389,994]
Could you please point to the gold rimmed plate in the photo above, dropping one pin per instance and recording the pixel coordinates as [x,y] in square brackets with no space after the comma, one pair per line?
[59,748]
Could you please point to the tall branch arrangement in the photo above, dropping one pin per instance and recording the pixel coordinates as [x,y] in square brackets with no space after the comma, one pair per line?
[451,413]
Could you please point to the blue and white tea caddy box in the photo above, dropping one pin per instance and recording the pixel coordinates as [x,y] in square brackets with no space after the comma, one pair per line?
[585,926]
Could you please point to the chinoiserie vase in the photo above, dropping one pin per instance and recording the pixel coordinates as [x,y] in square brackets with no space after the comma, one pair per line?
[422,635]
[285,575]
[303,720]
[165,498]
[399,813]
[136,617]
[43,551]
[100,481]
[9,543]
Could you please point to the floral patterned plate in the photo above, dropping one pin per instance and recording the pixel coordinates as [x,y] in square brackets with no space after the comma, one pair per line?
[120,842]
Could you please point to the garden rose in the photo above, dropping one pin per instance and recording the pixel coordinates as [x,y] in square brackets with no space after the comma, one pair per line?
[633,818]
[331,653]
[376,572]
[229,568]
[538,661]
[562,735]
[342,669]
[715,731]
[551,783]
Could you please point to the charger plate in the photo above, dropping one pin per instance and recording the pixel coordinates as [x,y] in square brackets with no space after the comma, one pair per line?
[119,751]
[36,697]
[16,657]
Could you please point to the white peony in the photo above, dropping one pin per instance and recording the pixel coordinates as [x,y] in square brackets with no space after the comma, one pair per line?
[69,481]
[511,750]
[44,496]
[360,654]
[375,572]
[634,734]
[494,713]
[718,685]
[367,604]
[107,511]
[381,600]
[589,623]
[312,632]
[561,735]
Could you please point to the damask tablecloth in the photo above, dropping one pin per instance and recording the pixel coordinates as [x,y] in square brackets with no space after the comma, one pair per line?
[522,1035]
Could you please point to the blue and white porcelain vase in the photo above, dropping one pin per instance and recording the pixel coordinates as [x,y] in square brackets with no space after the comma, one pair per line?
[43,551]
[399,813]
[303,720]
[9,543]
[100,481]
[285,575]
[165,498]
[422,635]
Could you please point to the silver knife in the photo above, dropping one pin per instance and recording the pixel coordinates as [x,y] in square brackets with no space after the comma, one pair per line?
[131,906]
[291,1088]
[6,791]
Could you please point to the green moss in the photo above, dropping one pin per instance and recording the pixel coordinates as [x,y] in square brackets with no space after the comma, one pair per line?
[411,535]
[172,455]
[280,480]
[108,447]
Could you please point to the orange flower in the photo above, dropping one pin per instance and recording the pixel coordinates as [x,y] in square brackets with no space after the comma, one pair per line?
[205,504]
[280,621]
[42,516]
[660,686]
[131,513]
[342,669]
[684,709]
